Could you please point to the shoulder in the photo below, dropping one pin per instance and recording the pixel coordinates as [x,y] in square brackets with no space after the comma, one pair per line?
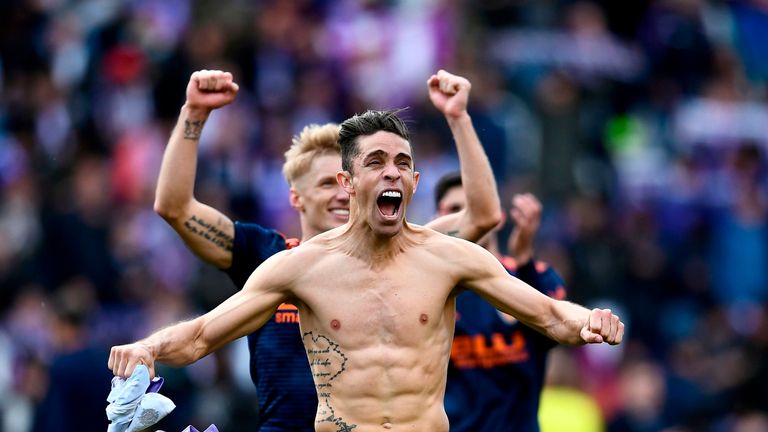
[302,256]
[451,249]
[252,245]
[255,234]
[252,228]
[280,271]
[440,239]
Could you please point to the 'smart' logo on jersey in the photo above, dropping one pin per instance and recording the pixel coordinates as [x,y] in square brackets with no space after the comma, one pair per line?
[287,314]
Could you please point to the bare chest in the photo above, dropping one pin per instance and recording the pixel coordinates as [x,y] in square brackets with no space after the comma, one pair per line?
[402,304]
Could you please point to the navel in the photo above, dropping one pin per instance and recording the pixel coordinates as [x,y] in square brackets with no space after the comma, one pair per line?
[423,318]
[335,324]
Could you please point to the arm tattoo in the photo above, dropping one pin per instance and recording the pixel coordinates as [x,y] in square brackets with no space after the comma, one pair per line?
[453,233]
[193,129]
[327,361]
[206,230]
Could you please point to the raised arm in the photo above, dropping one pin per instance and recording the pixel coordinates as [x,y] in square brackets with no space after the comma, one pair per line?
[526,215]
[188,341]
[205,230]
[450,94]
[563,321]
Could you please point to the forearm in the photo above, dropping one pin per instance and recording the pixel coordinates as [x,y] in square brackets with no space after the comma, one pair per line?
[522,256]
[177,345]
[567,321]
[239,315]
[175,185]
[483,206]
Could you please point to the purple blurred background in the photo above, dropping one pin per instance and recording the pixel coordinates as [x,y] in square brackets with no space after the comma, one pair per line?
[642,126]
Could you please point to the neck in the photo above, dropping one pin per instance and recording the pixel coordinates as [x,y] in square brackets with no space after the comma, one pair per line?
[307,232]
[360,241]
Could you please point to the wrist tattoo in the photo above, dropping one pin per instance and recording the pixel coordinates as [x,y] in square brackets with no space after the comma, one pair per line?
[193,129]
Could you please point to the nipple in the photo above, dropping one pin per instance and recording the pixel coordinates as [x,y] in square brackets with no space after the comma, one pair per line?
[335,324]
[423,318]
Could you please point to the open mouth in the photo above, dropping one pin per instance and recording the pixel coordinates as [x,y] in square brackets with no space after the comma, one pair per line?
[389,203]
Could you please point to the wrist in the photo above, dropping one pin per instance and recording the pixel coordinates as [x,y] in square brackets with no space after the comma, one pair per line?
[195,112]
[149,347]
[458,119]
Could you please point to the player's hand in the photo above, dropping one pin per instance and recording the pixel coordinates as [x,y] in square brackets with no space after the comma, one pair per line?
[449,93]
[123,359]
[210,89]
[526,215]
[603,326]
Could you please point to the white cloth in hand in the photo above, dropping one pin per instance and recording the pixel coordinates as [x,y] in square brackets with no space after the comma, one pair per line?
[130,408]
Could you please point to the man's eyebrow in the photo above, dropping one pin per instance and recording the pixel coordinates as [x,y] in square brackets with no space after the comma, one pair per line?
[376,153]
[382,153]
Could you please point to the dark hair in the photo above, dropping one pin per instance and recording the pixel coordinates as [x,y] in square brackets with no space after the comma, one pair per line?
[446,183]
[366,124]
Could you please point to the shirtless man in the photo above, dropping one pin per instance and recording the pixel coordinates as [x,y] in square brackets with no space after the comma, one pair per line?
[376,298]
[278,362]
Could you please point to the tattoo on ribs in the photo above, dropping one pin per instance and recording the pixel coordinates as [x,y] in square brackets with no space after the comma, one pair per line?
[327,361]
[208,231]
[193,129]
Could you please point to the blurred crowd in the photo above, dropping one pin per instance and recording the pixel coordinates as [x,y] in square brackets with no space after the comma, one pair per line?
[642,126]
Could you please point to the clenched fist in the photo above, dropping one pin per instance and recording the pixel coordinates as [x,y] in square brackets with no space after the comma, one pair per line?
[526,215]
[123,359]
[603,326]
[449,93]
[210,89]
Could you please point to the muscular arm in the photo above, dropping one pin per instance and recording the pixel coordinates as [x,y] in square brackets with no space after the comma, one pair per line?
[449,94]
[186,342]
[205,230]
[563,321]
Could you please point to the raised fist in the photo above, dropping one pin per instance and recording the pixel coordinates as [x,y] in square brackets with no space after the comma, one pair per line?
[210,89]
[526,215]
[449,93]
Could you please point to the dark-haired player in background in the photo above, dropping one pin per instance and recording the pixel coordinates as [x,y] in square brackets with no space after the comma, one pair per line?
[497,366]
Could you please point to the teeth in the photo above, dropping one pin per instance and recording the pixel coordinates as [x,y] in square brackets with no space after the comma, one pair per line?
[391,194]
[342,212]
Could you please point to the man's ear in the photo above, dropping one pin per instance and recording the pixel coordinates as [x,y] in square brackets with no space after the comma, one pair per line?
[416,176]
[345,181]
[295,199]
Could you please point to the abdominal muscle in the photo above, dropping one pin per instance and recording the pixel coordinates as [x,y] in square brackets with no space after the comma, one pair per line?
[378,388]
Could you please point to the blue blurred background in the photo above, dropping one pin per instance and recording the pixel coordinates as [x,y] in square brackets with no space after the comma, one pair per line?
[642,126]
